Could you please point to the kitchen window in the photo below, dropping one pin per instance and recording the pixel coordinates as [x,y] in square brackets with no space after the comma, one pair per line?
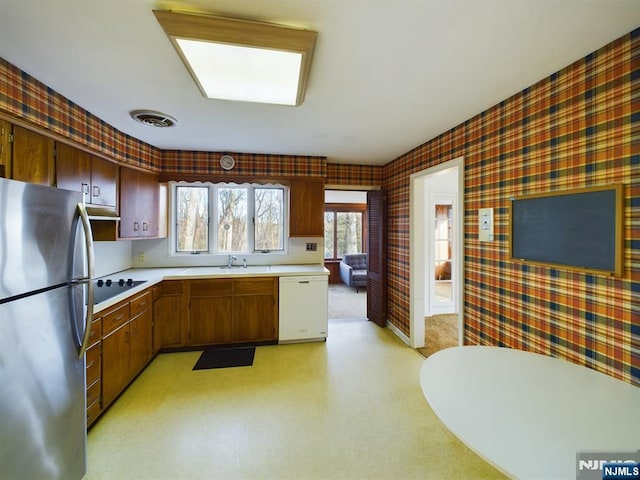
[228,218]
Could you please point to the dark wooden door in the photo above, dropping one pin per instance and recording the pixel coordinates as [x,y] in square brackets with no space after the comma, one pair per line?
[377,243]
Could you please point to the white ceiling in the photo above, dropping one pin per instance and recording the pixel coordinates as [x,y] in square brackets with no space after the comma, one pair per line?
[387,75]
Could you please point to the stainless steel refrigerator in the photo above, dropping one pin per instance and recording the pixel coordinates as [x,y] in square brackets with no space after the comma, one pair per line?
[46,304]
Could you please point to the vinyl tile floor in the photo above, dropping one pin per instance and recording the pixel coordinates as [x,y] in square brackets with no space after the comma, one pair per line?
[347,408]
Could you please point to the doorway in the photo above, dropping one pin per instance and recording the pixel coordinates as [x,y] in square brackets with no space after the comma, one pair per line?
[345,232]
[434,193]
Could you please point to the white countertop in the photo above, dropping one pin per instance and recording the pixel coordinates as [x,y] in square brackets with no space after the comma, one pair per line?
[152,276]
[529,414]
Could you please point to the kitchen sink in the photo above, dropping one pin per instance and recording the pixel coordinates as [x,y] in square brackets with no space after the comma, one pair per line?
[235,269]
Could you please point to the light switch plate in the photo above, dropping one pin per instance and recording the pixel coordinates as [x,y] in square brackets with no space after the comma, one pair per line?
[485,224]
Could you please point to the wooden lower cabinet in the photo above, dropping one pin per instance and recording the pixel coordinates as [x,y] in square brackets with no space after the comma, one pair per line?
[255,309]
[115,363]
[215,311]
[211,311]
[140,332]
[168,316]
[94,372]
[238,310]
[126,344]
[141,340]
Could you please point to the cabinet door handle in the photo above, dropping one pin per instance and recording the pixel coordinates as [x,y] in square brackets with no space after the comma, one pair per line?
[96,191]
[84,188]
[145,226]
[136,226]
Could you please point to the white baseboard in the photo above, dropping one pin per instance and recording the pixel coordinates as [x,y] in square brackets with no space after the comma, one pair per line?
[399,333]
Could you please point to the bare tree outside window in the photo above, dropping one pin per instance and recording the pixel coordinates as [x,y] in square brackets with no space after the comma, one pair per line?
[192,223]
[226,218]
[269,219]
[232,220]
[343,230]
[349,225]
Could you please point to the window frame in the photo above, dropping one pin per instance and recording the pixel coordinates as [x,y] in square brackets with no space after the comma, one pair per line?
[346,208]
[212,210]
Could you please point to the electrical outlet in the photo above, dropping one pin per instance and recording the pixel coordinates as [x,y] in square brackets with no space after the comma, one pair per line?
[312,247]
[141,257]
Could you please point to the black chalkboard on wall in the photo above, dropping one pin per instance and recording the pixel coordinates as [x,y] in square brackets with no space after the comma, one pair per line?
[577,229]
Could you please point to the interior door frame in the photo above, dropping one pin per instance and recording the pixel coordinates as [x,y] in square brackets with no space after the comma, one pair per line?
[418,199]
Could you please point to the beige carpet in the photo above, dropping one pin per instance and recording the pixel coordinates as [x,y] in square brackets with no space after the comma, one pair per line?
[440,332]
[344,302]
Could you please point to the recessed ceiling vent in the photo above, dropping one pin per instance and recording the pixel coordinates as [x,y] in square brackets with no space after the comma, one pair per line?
[153,119]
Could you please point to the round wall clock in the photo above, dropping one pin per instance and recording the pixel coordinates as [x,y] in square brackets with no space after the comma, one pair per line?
[227,162]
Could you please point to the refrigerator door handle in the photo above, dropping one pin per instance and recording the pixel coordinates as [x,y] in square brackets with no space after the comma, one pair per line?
[88,238]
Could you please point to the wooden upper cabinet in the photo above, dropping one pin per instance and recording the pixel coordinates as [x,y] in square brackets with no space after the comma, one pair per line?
[104,181]
[5,149]
[32,157]
[73,169]
[306,218]
[138,204]
[79,171]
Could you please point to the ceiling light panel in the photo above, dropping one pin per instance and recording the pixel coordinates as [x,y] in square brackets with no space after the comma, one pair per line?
[242,60]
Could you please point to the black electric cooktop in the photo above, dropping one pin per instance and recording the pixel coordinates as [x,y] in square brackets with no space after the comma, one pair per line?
[105,288]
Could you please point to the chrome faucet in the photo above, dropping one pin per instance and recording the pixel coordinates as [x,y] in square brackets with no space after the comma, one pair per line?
[230,260]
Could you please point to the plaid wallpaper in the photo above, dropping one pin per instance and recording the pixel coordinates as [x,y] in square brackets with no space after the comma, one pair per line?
[28,99]
[362,175]
[580,127]
[247,164]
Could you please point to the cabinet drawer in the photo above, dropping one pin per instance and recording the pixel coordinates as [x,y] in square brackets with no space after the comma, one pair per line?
[211,288]
[255,286]
[172,287]
[93,364]
[140,304]
[95,334]
[115,318]
[93,411]
[93,394]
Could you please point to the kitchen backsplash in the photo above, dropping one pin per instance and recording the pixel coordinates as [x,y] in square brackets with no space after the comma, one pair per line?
[154,253]
[111,257]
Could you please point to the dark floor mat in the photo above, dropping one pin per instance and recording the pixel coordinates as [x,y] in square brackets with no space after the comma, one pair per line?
[227,357]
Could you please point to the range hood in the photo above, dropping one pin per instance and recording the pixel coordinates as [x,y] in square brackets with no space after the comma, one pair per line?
[102,214]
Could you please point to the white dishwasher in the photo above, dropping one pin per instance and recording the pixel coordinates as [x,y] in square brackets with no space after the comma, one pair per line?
[304,304]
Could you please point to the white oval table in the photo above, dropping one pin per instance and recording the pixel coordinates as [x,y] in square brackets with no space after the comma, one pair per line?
[529,414]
